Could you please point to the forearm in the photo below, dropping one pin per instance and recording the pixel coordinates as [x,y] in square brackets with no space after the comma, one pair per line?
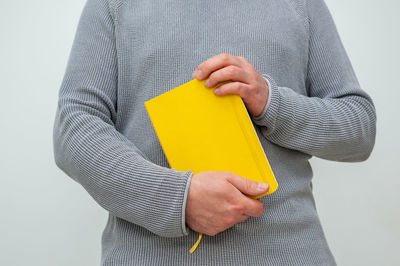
[113,172]
[340,129]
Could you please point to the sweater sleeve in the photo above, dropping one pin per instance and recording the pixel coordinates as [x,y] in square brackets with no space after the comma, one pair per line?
[89,149]
[337,119]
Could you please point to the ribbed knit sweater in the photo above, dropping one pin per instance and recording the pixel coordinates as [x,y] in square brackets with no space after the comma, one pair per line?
[126,52]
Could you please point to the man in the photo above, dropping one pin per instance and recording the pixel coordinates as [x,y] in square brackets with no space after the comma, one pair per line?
[307,102]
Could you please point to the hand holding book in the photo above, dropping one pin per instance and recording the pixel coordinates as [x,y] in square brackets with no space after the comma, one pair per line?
[246,81]
[217,201]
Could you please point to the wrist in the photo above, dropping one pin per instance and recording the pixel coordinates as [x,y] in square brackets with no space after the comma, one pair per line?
[264,110]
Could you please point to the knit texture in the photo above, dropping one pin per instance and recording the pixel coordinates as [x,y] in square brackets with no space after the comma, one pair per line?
[126,52]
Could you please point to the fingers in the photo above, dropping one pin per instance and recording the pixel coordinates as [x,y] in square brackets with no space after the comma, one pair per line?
[214,63]
[243,218]
[231,72]
[247,186]
[246,207]
[253,207]
[238,88]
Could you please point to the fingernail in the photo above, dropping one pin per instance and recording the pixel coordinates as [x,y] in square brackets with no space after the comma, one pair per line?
[207,83]
[262,186]
[216,91]
[197,74]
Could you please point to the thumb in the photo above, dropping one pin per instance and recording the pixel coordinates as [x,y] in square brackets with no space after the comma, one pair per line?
[247,186]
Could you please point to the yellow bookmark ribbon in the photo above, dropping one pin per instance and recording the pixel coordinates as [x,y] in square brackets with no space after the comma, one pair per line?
[196,244]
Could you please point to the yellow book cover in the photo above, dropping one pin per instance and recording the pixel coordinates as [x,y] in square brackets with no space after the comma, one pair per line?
[200,131]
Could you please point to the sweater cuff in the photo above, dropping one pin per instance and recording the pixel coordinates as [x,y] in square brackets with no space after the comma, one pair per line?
[268,116]
[185,228]
[269,97]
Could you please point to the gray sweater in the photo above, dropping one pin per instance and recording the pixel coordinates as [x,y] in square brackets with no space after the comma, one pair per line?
[126,52]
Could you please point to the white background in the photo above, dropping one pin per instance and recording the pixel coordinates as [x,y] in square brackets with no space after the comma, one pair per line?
[48,219]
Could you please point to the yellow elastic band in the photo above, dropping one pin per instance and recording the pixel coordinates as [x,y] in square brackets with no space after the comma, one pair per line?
[196,244]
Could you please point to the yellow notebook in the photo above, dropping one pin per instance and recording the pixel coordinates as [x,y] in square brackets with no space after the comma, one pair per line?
[200,131]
